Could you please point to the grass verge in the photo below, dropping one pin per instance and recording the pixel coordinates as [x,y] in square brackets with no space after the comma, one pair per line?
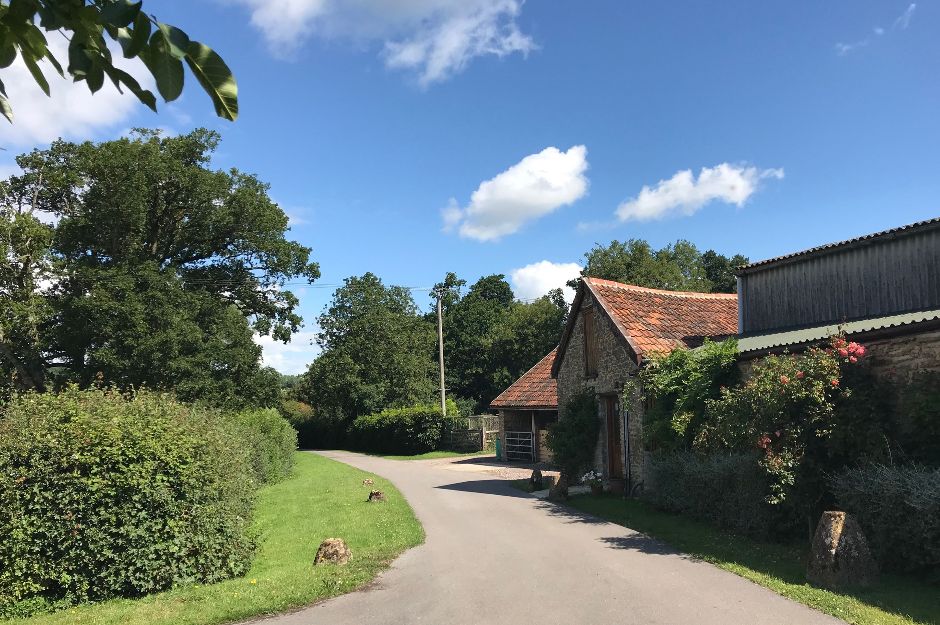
[438,454]
[321,499]
[781,568]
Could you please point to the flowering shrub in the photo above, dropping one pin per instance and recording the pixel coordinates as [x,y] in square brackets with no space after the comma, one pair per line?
[785,410]
[592,478]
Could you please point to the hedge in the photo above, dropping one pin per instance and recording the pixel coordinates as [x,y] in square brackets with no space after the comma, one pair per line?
[270,441]
[411,430]
[898,507]
[727,490]
[104,495]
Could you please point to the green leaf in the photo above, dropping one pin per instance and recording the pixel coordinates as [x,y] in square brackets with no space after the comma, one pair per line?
[166,70]
[7,55]
[95,76]
[177,41]
[79,62]
[37,73]
[119,77]
[50,18]
[55,62]
[5,109]
[133,40]
[33,40]
[120,13]
[216,78]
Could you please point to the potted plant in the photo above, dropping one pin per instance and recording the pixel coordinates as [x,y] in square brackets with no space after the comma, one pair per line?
[595,481]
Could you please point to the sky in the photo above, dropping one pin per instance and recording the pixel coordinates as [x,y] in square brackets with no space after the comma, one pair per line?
[410,138]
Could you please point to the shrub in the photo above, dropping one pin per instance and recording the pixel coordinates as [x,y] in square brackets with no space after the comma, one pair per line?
[680,384]
[271,442]
[573,438]
[104,495]
[303,419]
[899,509]
[412,430]
[725,489]
[919,414]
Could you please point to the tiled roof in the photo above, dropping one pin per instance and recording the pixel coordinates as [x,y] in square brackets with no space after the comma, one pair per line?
[831,247]
[535,389]
[653,320]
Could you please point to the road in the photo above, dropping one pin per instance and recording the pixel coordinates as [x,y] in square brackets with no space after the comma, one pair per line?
[495,555]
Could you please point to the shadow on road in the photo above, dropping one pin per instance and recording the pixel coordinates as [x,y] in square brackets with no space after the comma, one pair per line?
[486,487]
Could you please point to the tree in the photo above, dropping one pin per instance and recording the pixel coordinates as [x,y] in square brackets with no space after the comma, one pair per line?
[377,352]
[675,267]
[529,332]
[160,267]
[162,48]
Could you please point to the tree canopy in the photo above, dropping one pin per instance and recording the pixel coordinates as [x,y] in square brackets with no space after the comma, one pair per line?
[135,262]
[161,47]
[675,267]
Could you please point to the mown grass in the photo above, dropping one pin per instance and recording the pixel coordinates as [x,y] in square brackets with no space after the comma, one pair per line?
[781,568]
[438,454]
[321,499]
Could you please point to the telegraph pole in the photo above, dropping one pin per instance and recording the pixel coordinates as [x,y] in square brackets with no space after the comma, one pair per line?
[440,348]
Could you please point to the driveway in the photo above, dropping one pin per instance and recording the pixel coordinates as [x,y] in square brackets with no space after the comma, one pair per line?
[495,555]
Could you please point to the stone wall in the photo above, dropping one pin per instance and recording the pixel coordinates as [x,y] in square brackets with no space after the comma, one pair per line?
[614,368]
[900,357]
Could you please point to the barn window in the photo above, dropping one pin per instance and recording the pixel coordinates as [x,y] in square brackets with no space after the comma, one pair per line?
[590,343]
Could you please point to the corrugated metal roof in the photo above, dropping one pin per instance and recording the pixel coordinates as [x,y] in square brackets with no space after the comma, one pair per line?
[763,264]
[818,333]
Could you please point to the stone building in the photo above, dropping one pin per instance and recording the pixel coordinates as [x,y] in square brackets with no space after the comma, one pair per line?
[527,408]
[611,330]
[882,289]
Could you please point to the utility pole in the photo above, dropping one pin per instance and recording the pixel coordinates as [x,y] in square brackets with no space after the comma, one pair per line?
[440,348]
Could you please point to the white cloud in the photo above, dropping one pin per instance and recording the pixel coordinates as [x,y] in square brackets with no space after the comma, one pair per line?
[537,279]
[290,358]
[434,38]
[72,112]
[904,20]
[900,23]
[683,194]
[532,188]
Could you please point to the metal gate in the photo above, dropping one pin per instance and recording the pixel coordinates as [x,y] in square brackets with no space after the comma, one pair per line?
[519,446]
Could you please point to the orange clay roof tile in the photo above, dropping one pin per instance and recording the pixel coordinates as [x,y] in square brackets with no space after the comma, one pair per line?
[535,389]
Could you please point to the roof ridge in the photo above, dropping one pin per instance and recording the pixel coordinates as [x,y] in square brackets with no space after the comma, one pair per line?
[646,289]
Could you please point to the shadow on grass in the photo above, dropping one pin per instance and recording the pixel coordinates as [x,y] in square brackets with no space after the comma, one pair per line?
[783,566]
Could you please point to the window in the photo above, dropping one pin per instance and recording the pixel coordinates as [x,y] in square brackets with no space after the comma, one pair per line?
[590,343]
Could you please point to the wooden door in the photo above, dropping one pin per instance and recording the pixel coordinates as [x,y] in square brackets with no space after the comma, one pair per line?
[614,440]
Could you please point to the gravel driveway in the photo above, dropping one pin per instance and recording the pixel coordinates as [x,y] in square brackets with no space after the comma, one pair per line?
[495,555]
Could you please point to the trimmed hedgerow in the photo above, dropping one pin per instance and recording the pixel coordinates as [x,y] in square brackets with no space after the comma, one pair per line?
[105,495]
[411,430]
[899,509]
[271,442]
[727,490]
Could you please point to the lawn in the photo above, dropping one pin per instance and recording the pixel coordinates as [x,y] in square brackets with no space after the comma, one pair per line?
[321,499]
[781,568]
[438,454]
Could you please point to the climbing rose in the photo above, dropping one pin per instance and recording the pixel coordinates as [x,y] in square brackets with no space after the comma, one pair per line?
[853,359]
[835,383]
[843,352]
[799,375]
[784,379]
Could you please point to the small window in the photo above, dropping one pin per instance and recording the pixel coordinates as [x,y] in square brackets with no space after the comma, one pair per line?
[590,343]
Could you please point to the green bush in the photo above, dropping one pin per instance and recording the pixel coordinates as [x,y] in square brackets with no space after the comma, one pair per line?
[727,490]
[271,442]
[919,415]
[680,384]
[898,507]
[412,430]
[573,438]
[104,495]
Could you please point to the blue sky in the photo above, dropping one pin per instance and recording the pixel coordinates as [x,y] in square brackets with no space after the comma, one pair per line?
[530,131]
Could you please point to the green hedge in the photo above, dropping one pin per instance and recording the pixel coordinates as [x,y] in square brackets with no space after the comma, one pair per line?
[573,438]
[899,509]
[412,430]
[104,495]
[727,490]
[271,442]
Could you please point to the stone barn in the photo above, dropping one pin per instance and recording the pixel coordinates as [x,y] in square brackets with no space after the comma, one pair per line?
[526,409]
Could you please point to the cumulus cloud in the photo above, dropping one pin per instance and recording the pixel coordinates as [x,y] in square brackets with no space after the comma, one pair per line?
[72,112]
[537,279]
[433,38]
[684,194]
[290,358]
[537,185]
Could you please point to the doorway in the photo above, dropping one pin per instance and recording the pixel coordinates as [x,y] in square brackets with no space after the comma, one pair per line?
[614,441]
